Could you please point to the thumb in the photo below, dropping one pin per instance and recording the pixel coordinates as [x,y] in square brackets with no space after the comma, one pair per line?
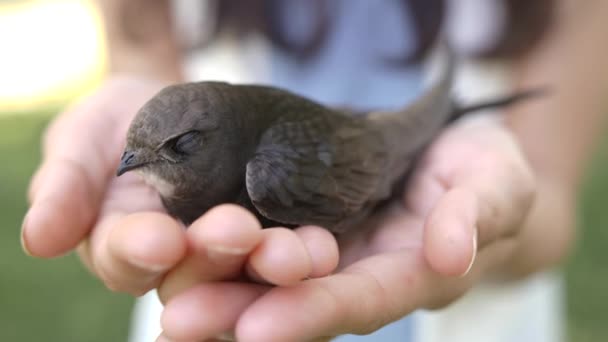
[472,215]
[81,150]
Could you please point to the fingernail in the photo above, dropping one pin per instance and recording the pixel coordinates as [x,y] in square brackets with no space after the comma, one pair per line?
[474,255]
[23,240]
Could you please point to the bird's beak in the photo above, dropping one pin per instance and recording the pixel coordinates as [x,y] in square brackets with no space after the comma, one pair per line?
[130,160]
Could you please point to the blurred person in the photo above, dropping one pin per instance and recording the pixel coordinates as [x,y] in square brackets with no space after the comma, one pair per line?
[489,209]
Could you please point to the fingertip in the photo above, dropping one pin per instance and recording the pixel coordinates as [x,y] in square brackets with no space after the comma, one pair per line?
[136,250]
[281,258]
[50,230]
[64,206]
[322,248]
[180,317]
[450,235]
[150,241]
[227,229]
[219,243]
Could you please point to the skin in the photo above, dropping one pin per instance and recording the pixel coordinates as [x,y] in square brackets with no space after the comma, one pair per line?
[418,254]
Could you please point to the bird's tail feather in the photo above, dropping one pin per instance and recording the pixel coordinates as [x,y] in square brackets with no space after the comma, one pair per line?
[459,111]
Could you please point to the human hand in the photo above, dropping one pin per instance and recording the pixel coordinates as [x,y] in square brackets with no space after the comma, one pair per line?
[122,232]
[466,202]
[76,200]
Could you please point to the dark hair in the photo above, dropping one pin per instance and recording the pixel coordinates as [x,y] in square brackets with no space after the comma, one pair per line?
[526,23]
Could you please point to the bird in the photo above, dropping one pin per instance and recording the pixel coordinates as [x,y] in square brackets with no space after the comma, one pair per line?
[288,159]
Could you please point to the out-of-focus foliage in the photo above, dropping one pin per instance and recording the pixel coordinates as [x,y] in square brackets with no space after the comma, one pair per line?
[587,276]
[43,300]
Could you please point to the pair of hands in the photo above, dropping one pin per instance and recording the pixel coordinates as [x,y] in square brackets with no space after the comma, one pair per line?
[457,221]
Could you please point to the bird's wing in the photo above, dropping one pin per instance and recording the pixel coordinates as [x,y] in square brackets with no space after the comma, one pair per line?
[316,170]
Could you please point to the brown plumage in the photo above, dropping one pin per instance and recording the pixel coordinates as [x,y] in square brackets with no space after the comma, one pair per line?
[289,159]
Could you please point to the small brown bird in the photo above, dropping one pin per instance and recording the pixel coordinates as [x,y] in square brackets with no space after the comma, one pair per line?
[290,160]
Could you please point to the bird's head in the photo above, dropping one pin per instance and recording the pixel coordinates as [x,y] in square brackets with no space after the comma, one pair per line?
[184,138]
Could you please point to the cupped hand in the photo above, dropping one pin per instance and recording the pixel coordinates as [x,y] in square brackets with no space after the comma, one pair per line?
[118,225]
[470,192]
[76,200]
[457,222]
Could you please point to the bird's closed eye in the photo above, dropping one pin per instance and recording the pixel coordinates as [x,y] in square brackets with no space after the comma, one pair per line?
[186,143]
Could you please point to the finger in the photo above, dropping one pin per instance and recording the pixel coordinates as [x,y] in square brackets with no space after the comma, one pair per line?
[488,199]
[362,298]
[207,310]
[281,259]
[503,189]
[220,242]
[132,253]
[81,151]
[322,249]
[502,208]
[496,173]
[286,257]
[69,186]
[450,234]
[225,232]
[423,191]
[63,210]
[478,210]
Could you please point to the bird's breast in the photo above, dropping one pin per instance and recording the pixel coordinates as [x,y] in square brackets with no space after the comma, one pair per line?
[164,187]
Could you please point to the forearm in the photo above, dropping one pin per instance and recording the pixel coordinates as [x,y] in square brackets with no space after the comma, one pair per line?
[140,38]
[559,133]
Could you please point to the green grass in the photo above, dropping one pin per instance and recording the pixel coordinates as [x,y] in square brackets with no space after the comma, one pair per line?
[58,300]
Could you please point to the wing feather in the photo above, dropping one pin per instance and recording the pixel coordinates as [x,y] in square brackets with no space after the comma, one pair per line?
[318,170]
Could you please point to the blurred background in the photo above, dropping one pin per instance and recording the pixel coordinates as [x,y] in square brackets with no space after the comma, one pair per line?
[52,52]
